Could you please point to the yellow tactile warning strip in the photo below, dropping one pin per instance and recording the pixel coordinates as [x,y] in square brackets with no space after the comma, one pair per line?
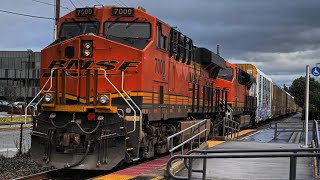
[242,132]
[115,177]
[246,137]
[212,143]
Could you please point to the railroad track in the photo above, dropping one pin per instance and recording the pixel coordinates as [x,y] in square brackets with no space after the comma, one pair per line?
[64,174]
[71,174]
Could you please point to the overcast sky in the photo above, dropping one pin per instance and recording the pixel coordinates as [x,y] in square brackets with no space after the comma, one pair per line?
[278,36]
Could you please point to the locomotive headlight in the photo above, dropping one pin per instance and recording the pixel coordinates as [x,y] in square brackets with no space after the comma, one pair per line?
[53,115]
[87,53]
[87,45]
[100,118]
[103,99]
[48,98]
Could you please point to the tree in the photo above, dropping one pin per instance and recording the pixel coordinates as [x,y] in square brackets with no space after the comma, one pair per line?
[285,88]
[297,90]
[10,95]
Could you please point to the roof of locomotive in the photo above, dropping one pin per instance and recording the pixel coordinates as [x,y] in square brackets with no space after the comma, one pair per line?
[105,11]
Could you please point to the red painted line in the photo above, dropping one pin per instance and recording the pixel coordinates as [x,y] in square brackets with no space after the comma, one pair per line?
[145,167]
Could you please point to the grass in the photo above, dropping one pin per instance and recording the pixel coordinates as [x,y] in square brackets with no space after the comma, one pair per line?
[15,119]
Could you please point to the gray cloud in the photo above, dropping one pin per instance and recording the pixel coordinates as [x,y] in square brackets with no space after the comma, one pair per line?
[279,36]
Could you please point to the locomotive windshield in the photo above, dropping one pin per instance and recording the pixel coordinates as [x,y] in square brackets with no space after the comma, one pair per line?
[72,29]
[226,74]
[135,34]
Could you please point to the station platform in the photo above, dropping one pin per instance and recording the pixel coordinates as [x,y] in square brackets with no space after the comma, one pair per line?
[260,168]
[155,169]
[257,168]
[236,168]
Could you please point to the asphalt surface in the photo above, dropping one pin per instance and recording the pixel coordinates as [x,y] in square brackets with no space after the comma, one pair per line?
[266,133]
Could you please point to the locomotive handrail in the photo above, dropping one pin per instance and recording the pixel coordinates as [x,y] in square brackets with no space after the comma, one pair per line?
[183,142]
[134,111]
[26,108]
[140,115]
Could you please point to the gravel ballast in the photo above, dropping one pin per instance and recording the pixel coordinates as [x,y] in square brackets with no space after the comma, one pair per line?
[19,166]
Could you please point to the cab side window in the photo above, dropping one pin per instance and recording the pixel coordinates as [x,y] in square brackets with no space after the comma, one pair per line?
[161,39]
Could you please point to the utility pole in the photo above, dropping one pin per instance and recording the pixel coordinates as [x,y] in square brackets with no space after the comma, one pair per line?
[27,78]
[25,81]
[57,16]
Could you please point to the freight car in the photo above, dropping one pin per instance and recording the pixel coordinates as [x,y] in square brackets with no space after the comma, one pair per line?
[272,100]
[116,83]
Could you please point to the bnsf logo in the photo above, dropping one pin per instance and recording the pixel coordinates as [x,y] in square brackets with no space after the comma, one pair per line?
[105,64]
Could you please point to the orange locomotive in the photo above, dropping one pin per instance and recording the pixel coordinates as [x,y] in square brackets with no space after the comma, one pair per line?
[116,83]
[241,102]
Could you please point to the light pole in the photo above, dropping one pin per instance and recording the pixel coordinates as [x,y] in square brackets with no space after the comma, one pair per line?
[307,106]
[25,83]
[27,75]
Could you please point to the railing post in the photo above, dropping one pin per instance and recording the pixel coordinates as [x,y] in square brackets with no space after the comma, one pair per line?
[232,130]
[20,145]
[191,142]
[171,142]
[95,86]
[88,86]
[275,131]
[204,168]
[57,90]
[228,126]
[205,133]
[199,137]
[190,168]
[224,126]
[293,166]
[237,132]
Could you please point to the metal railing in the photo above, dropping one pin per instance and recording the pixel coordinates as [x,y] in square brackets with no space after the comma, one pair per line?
[316,144]
[280,127]
[134,111]
[250,153]
[231,128]
[196,127]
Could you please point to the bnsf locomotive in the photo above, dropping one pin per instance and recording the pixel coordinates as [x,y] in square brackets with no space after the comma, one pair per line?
[118,81]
